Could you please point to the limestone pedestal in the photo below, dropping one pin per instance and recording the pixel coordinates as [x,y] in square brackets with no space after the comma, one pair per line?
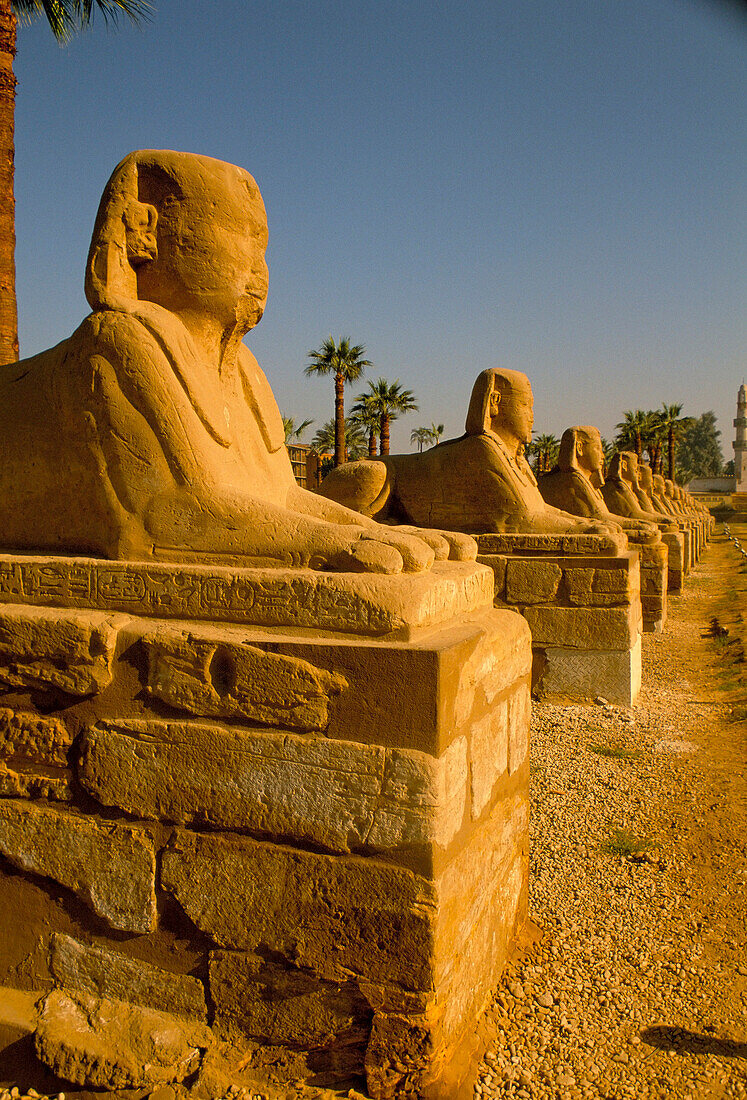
[677,543]
[583,606]
[285,810]
[654,575]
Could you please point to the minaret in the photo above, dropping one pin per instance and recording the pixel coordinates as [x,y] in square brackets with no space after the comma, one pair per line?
[740,443]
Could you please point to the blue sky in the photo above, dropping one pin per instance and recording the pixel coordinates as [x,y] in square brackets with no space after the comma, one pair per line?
[558,188]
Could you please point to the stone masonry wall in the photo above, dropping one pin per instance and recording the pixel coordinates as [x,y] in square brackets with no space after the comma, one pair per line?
[310,843]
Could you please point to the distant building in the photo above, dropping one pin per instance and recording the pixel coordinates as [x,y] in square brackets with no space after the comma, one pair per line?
[730,490]
[307,464]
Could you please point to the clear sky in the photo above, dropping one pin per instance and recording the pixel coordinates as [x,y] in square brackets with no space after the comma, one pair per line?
[555,187]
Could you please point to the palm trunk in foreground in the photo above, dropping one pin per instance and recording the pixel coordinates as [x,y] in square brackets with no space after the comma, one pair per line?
[670,456]
[8,309]
[372,444]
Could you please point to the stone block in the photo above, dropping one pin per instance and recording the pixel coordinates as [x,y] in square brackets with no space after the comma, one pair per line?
[109,866]
[338,794]
[597,587]
[34,784]
[101,1043]
[49,648]
[99,972]
[584,627]
[338,915]
[585,674]
[532,581]
[275,1003]
[33,737]
[519,719]
[365,604]
[488,756]
[204,673]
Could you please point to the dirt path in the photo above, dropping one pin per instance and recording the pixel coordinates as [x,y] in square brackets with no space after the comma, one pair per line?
[639,875]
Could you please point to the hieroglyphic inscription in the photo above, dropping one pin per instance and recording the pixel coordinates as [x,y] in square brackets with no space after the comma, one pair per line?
[193,592]
[518,543]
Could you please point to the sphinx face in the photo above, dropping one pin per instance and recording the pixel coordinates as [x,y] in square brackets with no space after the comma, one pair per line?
[646,479]
[512,412]
[211,254]
[591,460]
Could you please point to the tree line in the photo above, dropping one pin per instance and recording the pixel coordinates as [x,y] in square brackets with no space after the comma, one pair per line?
[679,447]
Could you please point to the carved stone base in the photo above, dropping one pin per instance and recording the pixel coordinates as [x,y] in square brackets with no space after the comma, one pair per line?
[297,840]
[578,606]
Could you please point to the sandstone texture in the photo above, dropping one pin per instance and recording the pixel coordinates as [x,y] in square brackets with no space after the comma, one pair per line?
[110,866]
[100,1043]
[336,916]
[341,795]
[69,650]
[207,676]
[96,971]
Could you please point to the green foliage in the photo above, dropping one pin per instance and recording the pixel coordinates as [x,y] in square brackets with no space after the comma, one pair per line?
[427,437]
[390,400]
[66,17]
[355,438]
[616,752]
[294,432]
[699,450]
[345,361]
[544,449]
[621,842]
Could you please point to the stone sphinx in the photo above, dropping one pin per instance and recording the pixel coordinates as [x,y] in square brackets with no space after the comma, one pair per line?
[575,484]
[480,482]
[623,496]
[152,431]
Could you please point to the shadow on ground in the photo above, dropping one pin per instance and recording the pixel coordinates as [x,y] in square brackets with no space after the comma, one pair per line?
[692,1042]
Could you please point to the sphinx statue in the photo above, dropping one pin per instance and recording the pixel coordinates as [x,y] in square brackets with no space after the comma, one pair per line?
[480,482]
[152,432]
[623,496]
[575,484]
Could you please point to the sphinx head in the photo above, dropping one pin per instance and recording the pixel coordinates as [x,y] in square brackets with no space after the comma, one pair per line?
[669,488]
[645,478]
[185,232]
[581,449]
[659,486]
[502,403]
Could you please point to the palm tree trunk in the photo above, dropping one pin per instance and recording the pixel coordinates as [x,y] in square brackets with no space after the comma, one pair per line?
[8,309]
[384,448]
[372,444]
[340,455]
[638,444]
[670,449]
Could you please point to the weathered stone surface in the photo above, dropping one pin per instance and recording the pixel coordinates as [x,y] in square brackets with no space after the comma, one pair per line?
[578,674]
[488,755]
[70,650]
[34,784]
[402,1054]
[282,1004]
[33,737]
[340,794]
[337,915]
[111,867]
[599,587]
[493,667]
[519,718]
[83,968]
[532,581]
[100,1043]
[210,676]
[584,627]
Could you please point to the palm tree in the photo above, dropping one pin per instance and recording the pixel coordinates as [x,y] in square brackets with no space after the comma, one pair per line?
[421,436]
[437,430]
[631,429]
[346,362]
[545,449]
[390,401]
[293,433]
[364,412]
[672,424]
[355,438]
[609,450]
[64,18]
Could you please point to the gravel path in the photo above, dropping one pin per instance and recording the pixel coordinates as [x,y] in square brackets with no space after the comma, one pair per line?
[638,987]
